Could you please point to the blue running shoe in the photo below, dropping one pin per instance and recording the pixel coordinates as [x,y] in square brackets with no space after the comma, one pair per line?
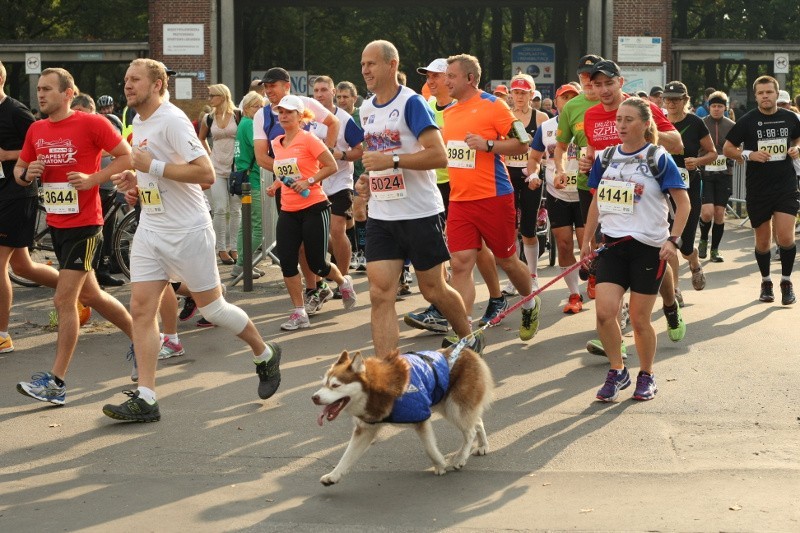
[493,308]
[430,319]
[615,382]
[44,388]
[646,387]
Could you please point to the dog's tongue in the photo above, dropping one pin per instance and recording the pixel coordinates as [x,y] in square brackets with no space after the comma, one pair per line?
[330,411]
[321,417]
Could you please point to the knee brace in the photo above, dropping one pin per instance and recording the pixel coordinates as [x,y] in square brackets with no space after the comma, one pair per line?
[225,314]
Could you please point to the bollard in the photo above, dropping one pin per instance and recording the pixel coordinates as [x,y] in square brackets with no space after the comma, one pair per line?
[247,237]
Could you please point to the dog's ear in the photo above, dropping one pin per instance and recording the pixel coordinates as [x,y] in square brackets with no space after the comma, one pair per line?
[344,358]
[357,366]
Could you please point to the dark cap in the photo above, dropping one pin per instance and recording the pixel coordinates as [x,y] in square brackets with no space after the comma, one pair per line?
[609,68]
[641,94]
[275,74]
[675,89]
[587,62]
[656,90]
[168,70]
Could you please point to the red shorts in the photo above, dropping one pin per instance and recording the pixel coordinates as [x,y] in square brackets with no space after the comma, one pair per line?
[494,220]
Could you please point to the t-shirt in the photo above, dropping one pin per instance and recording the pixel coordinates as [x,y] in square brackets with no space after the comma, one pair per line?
[222,152]
[350,135]
[244,154]
[395,127]
[648,222]
[73,144]
[772,133]
[692,130]
[601,125]
[570,128]
[15,119]
[544,140]
[486,176]
[301,155]
[718,129]
[268,116]
[442,176]
[169,136]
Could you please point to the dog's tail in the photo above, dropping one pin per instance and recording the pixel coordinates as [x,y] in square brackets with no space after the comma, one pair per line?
[471,382]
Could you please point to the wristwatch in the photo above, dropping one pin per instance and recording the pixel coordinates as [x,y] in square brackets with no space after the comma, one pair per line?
[311,180]
[677,241]
[489,146]
[396,161]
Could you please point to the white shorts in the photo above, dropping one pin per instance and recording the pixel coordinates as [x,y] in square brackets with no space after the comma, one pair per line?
[186,257]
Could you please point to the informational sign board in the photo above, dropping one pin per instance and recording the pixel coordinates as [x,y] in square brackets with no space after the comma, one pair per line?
[639,50]
[538,60]
[33,63]
[183,88]
[641,78]
[299,80]
[184,39]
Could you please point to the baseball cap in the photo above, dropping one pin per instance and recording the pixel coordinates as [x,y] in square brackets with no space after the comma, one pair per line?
[641,94]
[291,102]
[437,65]
[675,89]
[656,90]
[275,74]
[587,62]
[521,84]
[537,94]
[502,89]
[566,88]
[609,68]
[784,98]
[169,71]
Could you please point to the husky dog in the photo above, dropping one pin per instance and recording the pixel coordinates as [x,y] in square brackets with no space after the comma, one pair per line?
[406,389]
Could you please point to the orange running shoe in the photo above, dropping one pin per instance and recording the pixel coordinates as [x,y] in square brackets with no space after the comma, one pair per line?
[575,304]
[590,287]
[6,345]
[84,314]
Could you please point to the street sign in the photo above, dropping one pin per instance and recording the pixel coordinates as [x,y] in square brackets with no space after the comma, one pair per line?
[781,63]
[33,63]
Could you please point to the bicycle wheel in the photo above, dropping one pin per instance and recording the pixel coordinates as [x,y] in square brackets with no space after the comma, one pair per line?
[41,251]
[123,239]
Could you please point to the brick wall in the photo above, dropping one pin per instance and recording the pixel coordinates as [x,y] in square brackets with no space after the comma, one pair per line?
[162,12]
[637,18]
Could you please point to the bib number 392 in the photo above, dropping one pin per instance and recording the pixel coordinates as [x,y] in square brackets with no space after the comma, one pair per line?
[387,184]
[615,197]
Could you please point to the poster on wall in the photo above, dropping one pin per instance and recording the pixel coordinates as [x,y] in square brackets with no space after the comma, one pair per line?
[538,60]
[641,78]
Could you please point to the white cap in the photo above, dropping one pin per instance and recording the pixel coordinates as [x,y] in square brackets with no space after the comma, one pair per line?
[784,98]
[291,102]
[437,65]
[537,94]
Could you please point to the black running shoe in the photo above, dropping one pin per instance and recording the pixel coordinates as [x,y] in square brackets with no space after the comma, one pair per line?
[189,309]
[787,293]
[133,410]
[269,373]
[766,292]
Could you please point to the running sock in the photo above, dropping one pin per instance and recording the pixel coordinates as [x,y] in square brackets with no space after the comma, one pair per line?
[300,310]
[786,278]
[148,395]
[361,234]
[265,356]
[716,235]
[58,380]
[532,256]
[171,337]
[529,304]
[351,236]
[704,227]
[787,259]
[572,280]
[763,262]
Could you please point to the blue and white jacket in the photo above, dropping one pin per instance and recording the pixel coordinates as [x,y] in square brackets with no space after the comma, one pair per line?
[428,383]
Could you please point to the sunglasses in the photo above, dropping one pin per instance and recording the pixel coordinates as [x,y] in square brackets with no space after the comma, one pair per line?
[210,96]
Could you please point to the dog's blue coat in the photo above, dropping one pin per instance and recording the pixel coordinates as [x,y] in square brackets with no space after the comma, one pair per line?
[428,383]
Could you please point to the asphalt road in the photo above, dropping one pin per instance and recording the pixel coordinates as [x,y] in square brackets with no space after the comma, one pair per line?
[717,450]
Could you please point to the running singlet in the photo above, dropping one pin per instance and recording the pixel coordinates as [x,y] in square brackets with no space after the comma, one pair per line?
[169,206]
[442,176]
[601,125]
[476,174]
[545,141]
[773,134]
[350,135]
[73,144]
[267,120]
[629,200]
[395,128]
[298,161]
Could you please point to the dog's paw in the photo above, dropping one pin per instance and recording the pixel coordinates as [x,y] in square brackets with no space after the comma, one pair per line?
[440,470]
[458,465]
[328,480]
[480,450]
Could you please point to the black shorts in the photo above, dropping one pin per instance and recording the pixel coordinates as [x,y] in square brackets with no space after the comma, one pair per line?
[526,201]
[78,248]
[631,265]
[563,213]
[444,189]
[585,199]
[717,188]
[342,203]
[420,240]
[761,208]
[18,221]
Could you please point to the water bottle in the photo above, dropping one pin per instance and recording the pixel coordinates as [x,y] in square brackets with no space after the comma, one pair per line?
[288,181]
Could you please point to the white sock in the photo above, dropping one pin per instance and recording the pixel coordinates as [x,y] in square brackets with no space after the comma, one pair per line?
[765,278]
[148,395]
[532,256]
[783,278]
[572,281]
[300,311]
[529,304]
[171,337]
[3,334]
[265,356]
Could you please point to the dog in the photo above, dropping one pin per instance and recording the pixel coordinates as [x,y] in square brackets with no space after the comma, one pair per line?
[405,389]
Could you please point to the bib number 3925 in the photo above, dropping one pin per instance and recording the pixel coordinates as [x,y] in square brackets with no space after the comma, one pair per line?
[387,184]
[60,198]
[615,197]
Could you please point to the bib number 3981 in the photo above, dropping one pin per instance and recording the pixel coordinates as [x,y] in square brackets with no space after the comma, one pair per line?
[387,184]
[460,155]
[60,199]
[615,197]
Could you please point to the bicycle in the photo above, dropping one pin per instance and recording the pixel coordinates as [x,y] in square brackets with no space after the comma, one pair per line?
[41,251]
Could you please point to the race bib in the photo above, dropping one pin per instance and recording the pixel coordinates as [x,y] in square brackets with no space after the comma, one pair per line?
[615,197]
[60,198]
[572,182]
[387,184]
[719,165]
[459,155]
[776,148]
[287,168]
[150,199]
[684,176]
[517,161]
